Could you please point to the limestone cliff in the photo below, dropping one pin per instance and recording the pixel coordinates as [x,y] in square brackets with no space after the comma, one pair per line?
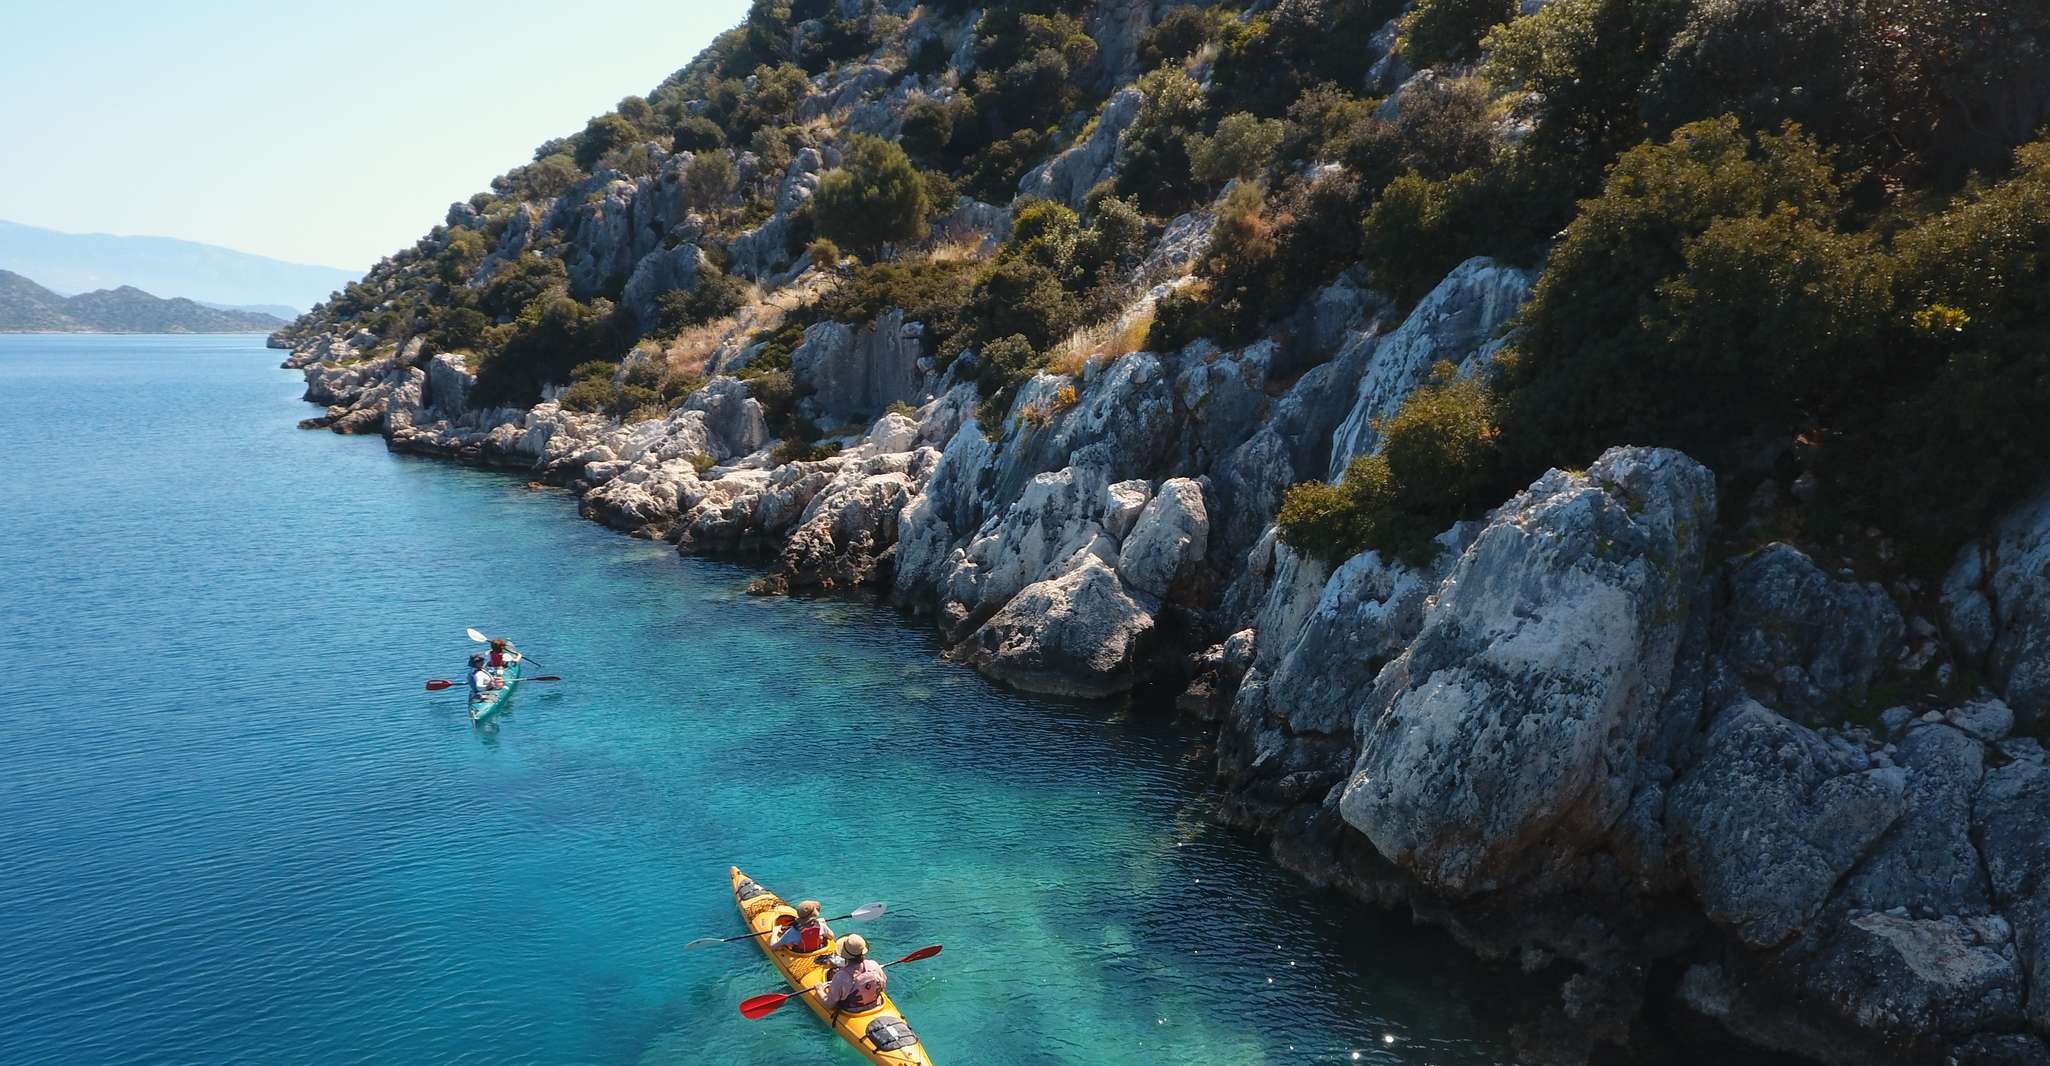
[1626,724]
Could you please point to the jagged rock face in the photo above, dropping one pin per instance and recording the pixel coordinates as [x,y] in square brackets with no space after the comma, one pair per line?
[676,270]
[2008,819]
[857,372]
[1319,644]
[1804,642]
[1069,176]
[1772,818]
[1997,602]
[1456,323]
[1505,740]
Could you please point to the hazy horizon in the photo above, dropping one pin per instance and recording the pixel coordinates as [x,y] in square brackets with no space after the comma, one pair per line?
[383,113]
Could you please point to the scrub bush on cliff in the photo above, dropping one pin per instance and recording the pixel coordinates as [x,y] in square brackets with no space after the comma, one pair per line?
[1440,461]
[1437,32]
[1620,309]
[874,199]
[553,334]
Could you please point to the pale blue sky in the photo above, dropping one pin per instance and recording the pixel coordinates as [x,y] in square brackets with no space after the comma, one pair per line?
[332,133]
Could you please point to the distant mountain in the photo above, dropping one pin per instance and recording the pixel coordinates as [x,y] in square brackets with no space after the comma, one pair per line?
[279,310]
[26,307]
[80,262]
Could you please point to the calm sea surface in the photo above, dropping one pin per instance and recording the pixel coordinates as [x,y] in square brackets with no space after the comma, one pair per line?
[234,828]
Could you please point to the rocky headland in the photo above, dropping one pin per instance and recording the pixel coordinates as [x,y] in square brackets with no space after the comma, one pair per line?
[1629,728]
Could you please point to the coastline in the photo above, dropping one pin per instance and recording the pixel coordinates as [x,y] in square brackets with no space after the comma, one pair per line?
[1622,908]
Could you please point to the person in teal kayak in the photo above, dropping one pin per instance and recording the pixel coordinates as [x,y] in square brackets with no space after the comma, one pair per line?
[857,984]
[482,680]
[808,933]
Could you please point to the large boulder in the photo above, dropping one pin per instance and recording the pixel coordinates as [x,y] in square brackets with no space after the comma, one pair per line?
[1508,738]
[1772,818]
[734,421]
[2009,823]
[1803,642]
[1167,540]
[1996,599]
[1078,634]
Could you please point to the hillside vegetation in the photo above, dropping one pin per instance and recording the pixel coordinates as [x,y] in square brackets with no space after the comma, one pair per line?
[1779,235]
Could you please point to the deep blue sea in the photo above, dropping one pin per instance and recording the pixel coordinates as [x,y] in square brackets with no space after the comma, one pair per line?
[234,828]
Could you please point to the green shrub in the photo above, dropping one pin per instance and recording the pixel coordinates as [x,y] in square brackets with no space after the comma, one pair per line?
[601,135]
[544,179]
[1045,233]
[588,396]
[1178,35]
[1179,317]
[1155,170]
[709,180]
[875,198]
[795,450]
[458,329]
[1320,122]
[1243,146]
[929,128]
[1113,245]
[551,335]
[1438,32]
[520,282]
[824,254]
[1322,41]
[1023,298]
[716,295]
[1585,62]
[932,292]
[1004,363]
[1440,461]
[696,133]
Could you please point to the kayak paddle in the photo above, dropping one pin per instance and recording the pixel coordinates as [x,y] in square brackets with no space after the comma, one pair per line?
[438,684]
[762,1006]
[860,914]
[482,639]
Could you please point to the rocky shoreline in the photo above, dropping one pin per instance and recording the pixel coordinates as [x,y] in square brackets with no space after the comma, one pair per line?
[1635,731]
[1580,740]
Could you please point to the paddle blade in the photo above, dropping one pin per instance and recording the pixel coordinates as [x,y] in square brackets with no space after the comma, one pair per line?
[543,677]
[866,911]
[437,685]
[762,1006]
[702,942]
[478,637]
[921,953]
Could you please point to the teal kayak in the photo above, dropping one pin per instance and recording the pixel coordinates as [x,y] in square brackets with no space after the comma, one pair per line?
[488,704]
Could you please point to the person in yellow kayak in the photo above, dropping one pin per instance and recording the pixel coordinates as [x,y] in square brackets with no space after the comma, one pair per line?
[482,680]
[808,933]
[856,984]
[502,656]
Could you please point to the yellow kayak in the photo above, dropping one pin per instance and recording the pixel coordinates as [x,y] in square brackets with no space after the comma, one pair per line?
[881,1034]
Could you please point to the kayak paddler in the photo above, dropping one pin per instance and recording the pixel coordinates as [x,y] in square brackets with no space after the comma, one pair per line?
[481,679]
[808,933]
[857,983]
[502,656]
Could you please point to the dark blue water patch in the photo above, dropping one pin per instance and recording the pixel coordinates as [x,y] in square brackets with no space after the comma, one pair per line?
[235,828]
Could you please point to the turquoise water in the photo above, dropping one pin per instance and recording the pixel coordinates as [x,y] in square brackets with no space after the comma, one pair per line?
[234,828]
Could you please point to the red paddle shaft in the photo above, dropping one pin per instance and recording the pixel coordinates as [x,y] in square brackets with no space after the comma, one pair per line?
[764,1005]
[438,684]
